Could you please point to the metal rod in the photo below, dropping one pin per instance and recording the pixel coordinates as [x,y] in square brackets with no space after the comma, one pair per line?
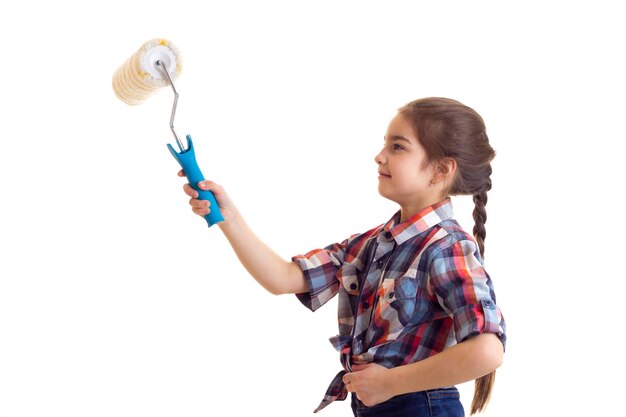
[169,78]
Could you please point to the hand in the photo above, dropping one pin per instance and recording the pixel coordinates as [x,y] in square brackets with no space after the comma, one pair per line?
[370,383]
[202,207]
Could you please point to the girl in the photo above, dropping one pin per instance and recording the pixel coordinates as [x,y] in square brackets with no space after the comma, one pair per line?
[417,310]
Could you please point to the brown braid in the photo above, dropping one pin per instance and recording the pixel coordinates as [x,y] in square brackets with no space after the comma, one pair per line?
[480,218]
[483,385]
[449,129]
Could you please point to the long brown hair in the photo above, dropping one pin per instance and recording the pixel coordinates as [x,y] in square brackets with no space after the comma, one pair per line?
[449,129]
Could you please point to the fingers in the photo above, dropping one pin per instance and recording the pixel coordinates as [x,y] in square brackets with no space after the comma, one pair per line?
[190,191]
[369,383]
[347,380]
[200,207]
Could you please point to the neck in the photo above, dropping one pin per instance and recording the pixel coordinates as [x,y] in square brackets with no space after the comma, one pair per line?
[409,210]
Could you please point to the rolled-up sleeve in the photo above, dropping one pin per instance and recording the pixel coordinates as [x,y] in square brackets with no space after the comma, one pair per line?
[465,291]
[320,267]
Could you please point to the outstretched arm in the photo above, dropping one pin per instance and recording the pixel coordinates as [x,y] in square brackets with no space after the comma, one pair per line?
[275,274]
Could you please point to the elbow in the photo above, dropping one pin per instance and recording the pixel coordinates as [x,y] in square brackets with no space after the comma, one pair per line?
[272,288]
[280,288]
[290,280]
[275,290]
[495,361]
[491,352]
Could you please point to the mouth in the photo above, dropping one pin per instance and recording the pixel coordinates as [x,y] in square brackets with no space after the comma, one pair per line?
[383,175]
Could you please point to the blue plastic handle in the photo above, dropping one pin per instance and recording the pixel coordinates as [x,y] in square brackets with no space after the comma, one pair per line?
[187,160]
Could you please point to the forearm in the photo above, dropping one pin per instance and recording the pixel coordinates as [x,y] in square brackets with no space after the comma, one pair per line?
[274,273]
[463,362]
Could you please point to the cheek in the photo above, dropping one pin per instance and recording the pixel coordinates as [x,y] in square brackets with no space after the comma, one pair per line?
[424,172]
[410,172]
[407,180]
[414,179]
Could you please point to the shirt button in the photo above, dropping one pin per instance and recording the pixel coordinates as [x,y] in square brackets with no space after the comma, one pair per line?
[379,264]
[357,346]
[391,294]
[365,305]
[354,286]
[388,235]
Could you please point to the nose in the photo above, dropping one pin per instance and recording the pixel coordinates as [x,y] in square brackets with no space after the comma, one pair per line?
[379,158]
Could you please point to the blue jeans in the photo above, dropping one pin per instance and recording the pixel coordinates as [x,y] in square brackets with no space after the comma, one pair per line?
[443,402]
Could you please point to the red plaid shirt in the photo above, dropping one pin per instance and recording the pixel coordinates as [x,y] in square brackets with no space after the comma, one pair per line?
[415,288]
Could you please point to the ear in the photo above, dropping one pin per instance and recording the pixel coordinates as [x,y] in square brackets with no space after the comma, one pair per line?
[445,169]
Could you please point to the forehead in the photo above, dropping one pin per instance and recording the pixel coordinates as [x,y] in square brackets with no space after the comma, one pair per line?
[399,127]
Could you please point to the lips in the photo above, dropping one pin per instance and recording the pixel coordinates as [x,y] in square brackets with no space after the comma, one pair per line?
[382,174]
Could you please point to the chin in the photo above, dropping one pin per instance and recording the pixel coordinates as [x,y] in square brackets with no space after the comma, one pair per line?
[384,194]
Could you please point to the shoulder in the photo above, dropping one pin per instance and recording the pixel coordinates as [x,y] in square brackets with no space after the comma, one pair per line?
[454,241]
[352,247]
[360,239]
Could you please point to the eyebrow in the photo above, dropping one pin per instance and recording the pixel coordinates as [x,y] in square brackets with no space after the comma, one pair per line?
[398,137]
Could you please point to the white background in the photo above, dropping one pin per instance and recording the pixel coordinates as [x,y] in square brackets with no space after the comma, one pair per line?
[115,300]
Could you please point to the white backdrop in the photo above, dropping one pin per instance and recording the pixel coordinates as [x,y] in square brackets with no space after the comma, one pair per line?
[115,300]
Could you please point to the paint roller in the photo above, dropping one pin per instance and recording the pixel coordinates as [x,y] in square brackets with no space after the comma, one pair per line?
[155,65]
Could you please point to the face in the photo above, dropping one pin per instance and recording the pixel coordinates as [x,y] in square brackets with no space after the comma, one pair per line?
[404,174]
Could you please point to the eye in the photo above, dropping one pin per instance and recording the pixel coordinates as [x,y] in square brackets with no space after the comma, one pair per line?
[397,147]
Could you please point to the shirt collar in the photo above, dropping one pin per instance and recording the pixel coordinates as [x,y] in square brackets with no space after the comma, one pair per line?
[418,223]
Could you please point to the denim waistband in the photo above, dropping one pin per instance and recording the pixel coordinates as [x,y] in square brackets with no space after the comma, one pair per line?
[431,403]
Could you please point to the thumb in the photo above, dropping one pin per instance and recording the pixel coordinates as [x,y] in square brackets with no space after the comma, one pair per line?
[215,188]
[207,185]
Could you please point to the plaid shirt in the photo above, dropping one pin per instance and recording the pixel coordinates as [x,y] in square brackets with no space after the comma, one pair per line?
[415,287]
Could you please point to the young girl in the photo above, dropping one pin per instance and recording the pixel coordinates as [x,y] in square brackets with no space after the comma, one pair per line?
[417,311]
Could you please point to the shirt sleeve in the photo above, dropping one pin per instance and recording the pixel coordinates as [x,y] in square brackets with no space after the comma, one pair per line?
[320,267]
[465,291]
